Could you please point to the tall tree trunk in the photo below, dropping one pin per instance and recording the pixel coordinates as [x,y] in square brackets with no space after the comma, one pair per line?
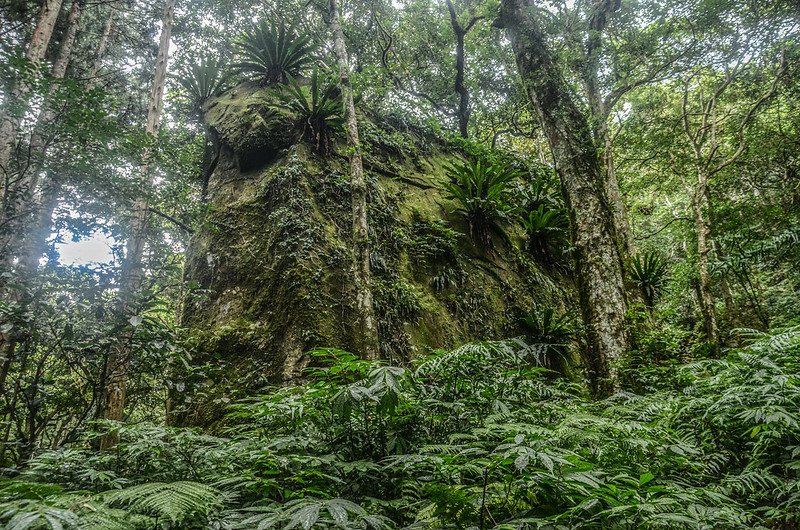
[464,112]
[14,110]
[598,261]
[11,240]
[600,113]
[702,227]
[102,46]
[367,332]
[116,377]
[35,243]
[30,167]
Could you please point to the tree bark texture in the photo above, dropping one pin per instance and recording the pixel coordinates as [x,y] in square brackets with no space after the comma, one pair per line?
[367,329]
[600,111]
[598,261]
[702,227]
[116,376]
[20,216]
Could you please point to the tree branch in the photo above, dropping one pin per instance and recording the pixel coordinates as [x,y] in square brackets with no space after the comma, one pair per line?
[171,219]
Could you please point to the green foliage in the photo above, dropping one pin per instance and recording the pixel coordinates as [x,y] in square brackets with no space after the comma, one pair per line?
[547,232]
[29,515]
[273,52]
[203,80]
[318,108]
[481,190]
[546,327]
[175,501]
[649,272]
[476,433]
[434,248]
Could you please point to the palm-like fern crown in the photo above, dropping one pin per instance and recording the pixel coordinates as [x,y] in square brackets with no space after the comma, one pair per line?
[481,188]
[271,52]
[318,107]
[203,80]
[542,221]
[649,272]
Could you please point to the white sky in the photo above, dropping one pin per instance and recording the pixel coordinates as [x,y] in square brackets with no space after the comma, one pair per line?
[94,249]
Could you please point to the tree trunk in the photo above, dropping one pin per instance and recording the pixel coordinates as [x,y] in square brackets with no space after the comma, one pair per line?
[463,112]
[116,380]
[16,102]
[621,223]
[704,243]
[102,46]
[26,212]
[367,332]
[598,260]
[600,112]
[15,213]
[36,237]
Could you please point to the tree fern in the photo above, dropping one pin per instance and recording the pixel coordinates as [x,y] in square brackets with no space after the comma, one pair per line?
[175,502]
[31,514]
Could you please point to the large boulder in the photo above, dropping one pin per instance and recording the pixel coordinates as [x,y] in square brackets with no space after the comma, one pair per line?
[271,271]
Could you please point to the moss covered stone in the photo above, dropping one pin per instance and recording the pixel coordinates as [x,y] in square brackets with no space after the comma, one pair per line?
[271,266]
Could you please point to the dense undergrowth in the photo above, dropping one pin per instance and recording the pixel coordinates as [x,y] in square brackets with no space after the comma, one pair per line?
[477,437]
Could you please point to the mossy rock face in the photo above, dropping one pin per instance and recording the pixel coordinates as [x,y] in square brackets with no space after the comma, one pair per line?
[271,267]
[251,125]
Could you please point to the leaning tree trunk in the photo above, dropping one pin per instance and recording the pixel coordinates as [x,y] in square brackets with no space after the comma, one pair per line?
[367,332]
[116,373]
[23,238]
[18,240]
[598,261]
[11,117]
[35,243]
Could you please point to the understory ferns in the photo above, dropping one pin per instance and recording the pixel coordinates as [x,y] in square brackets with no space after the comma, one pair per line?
[480,189]
[318,107]
[479,436]
[649,271]
[547,231]
[203,80]
[271,52]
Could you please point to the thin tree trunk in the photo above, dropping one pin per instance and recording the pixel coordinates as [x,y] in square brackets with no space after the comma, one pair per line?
[36,237]
[115,391]
[29,168]
[16,102]
[621,223]
[102,46]
[11,237]
[367,332]
[598,260]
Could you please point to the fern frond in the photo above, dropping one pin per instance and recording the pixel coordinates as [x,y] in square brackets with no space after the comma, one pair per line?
[175,501]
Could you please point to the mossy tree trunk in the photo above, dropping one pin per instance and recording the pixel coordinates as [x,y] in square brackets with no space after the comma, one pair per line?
[598,260]
[367,332]
[600,108]
[116,371]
